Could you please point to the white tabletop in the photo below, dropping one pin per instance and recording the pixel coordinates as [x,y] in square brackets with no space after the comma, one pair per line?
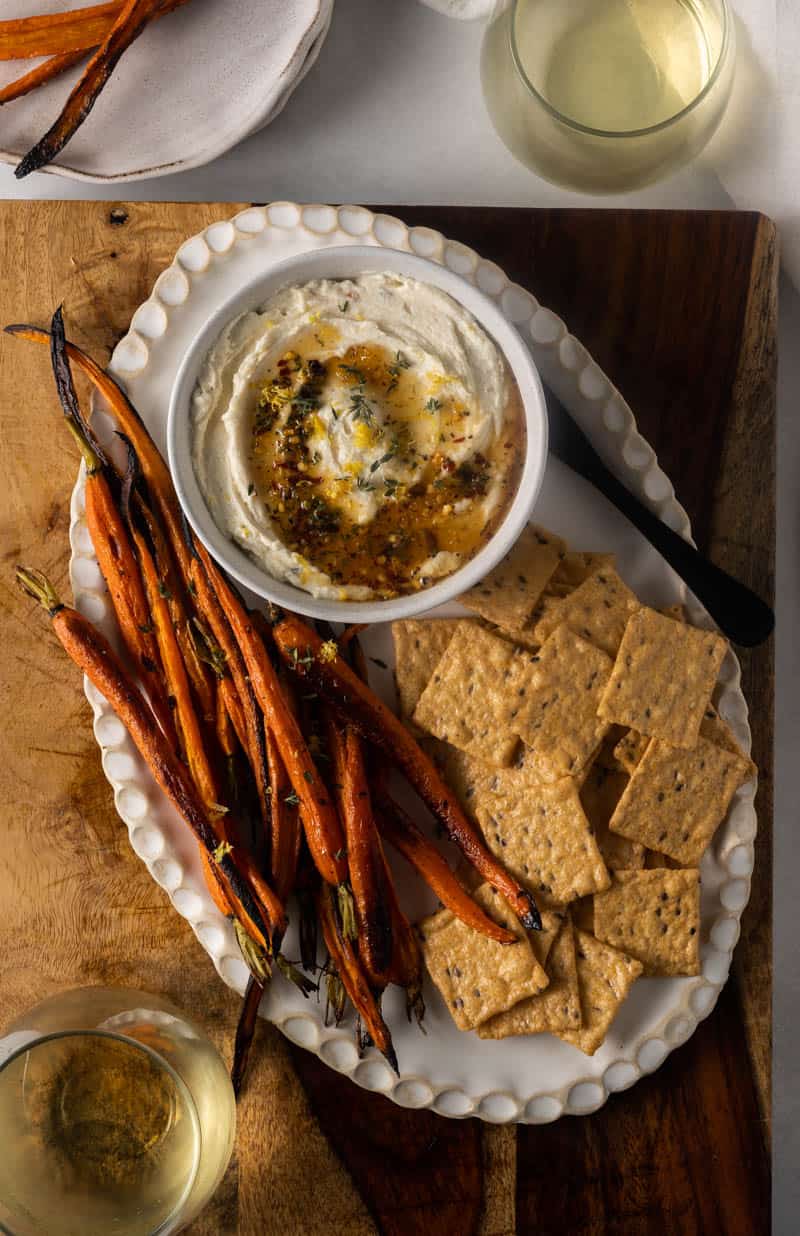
[393,113]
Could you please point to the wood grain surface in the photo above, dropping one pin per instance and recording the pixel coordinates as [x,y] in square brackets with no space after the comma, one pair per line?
[680,309]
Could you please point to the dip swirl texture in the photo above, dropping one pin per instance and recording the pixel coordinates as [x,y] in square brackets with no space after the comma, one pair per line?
[357,438]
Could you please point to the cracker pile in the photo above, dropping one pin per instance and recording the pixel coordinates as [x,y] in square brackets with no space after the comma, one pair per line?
[578,729]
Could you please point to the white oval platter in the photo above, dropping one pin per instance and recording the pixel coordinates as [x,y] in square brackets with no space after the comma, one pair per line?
[192,86]
[534,1080]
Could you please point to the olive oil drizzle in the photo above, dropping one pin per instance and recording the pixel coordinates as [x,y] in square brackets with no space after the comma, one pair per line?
[412,521]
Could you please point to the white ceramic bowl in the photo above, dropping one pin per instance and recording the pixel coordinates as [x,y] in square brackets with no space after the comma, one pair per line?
[338,263]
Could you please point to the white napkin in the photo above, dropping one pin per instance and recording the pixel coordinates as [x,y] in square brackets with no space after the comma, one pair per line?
[756,151]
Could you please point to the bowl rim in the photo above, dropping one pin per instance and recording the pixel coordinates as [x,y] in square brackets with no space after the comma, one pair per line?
[353,260]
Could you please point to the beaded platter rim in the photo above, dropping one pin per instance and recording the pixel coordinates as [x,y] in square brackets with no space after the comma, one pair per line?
[268,234]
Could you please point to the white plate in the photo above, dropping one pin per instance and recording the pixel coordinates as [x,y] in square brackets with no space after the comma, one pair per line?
[193,85]
[533,1080]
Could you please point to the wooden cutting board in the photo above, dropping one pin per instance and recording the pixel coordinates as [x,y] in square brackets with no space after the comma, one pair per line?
[680,310]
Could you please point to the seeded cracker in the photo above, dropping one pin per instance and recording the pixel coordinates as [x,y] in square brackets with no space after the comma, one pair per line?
[558,691]
[508,594]
[542,941]
[605,976]
[418,647]
[630,749]
[597,610]
[600,794]
[606,755]
[574,568]
[653,916]
[541,835]
[663,677]
[521,638]
[568,575]
[557,1008]
[478,977]
[467,701]
[719,732]
[676,798]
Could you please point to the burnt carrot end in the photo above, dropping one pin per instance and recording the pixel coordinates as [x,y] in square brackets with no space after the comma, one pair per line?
[399,829]
[351,973]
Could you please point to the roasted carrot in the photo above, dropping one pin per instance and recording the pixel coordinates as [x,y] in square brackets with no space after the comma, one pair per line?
[212,613]
[321,664]
[49,34]
[192,740]
[406,965]
[245,1029]
[351,973]
[132,19]
[223,726]
[111,542]
[286,831]
[368,874]
[162,493]
[320,821]
[228,697]
[194,744]
[397,827]
[40,76]
[92,653]
[76,30]
[154,469]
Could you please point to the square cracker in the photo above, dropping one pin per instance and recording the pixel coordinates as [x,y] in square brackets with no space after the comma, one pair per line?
[542,941]
[632,746]
[653,916]
[606,753]
[476,976]
[557,1008]
[509,593]
[605,976]
[719,732]
[574,568]
[418,649]
[630,749]
[540,834]
[598,610]
[521,638]
[558,689]
[663,677]
[469,699]
[568,575]
[676,798]
[600,793]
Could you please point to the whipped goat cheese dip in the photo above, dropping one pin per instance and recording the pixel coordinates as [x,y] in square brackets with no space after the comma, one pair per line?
[360,439]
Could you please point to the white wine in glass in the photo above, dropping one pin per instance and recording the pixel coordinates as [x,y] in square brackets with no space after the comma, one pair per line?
[607,95]
[116,1116]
